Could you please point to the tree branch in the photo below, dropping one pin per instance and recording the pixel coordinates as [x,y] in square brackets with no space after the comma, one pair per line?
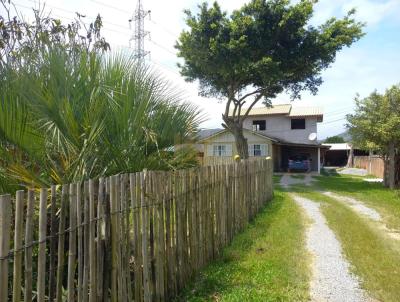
[250,94]
[256,99]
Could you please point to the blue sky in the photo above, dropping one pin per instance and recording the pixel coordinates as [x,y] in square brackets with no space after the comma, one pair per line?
[372,63]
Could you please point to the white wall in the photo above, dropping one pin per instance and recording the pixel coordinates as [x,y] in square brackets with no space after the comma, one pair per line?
[280,127]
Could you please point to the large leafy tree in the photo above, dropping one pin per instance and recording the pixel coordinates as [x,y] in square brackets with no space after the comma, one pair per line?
[375,125]
[262,49]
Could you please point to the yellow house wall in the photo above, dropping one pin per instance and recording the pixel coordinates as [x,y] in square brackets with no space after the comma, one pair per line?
[227,138]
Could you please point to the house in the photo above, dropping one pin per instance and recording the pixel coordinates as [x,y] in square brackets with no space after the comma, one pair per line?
[280,131]
[221,145]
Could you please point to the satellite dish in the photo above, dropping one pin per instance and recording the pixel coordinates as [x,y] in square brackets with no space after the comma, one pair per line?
[312,137]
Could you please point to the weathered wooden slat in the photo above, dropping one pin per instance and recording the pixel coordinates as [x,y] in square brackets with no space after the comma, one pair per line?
[120,270]
[107,242]
[92,243]
[126,234]
[168,237]
[28,242]
[72,243]
[86,233]
[41,279]
[114,238]
[100,239]
[5,227]
[80,255]
[53,244]
[61,242]
[18,230]
[145,226]
[137,240]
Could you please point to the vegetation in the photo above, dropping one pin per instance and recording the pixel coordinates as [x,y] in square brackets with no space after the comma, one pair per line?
[373,256]
[267,262]
[68,111]
[262,49]
[375,125]
[336,139]
[22,43]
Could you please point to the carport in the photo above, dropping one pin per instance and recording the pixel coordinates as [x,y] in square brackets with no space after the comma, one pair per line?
[282,151]
[338,154]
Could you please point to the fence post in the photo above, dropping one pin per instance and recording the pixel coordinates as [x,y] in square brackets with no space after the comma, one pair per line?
[53,243]
[114,252]
[72,243]
[5,221]
[28,242]
[92,242]
[41,285]
[19,208]
[145,230]
[61,241]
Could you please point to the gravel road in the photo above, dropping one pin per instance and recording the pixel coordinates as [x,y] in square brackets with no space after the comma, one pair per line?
[332,280]
[356,205]
[362,209]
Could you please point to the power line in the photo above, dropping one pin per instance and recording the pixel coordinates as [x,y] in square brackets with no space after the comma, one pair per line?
[72,12]
[330,122]
[164,28]
[163,47]
[339,111]
[72,19]
[110,6]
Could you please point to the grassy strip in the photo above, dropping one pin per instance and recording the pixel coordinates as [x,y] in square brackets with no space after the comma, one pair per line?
[374,258]
[267,262]
[386,202]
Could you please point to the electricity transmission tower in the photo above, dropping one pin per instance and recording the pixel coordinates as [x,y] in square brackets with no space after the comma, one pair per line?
[139,33]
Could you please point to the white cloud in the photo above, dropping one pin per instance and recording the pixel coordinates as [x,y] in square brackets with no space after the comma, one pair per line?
[370,11]
[373,11]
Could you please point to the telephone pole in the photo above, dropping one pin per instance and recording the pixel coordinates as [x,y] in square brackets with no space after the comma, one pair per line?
[139,33]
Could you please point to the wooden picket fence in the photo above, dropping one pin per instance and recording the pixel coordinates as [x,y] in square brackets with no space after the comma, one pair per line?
[373,164]
[128,237]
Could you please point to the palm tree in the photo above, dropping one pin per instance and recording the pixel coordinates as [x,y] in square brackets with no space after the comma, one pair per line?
[86,115]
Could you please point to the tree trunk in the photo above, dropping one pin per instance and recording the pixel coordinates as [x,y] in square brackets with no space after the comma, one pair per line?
[350,160]
[392,165]
[385,171]
[236,128]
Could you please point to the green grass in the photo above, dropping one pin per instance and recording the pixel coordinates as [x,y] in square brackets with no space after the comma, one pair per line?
[374,258]
[267,262]
[385,201]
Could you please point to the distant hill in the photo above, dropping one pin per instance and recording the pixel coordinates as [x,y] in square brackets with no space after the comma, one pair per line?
[346,136]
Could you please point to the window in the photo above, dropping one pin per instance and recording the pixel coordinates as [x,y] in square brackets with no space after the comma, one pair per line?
[299,123]
[258,150]
[219,150]
[259,125]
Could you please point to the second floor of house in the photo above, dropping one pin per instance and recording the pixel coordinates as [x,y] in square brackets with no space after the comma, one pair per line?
[286,122]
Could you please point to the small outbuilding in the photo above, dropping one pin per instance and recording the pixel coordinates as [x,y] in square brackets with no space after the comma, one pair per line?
[338,154]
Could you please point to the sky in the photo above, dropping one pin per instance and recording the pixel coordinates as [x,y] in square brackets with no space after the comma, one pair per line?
[369,64]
